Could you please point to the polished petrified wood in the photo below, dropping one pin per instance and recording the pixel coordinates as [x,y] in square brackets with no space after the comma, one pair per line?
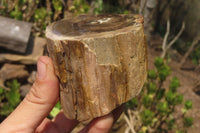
[101,62]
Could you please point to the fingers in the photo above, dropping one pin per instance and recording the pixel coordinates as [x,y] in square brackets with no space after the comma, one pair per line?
[39,101]
[105,123]
[47,126]
[60,124]
[102,124]
[64,124]
[99,125]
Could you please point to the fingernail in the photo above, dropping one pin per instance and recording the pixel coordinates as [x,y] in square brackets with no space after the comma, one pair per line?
[41,70]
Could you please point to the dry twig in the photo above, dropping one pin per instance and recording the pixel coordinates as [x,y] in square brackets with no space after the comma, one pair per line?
[194,43]
[127,130]
[166,47]
[166,36]
[130,121]
[129,124]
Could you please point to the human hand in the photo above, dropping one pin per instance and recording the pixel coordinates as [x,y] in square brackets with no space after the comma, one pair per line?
[30,115]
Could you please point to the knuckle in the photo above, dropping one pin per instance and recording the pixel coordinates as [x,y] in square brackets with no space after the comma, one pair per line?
[34,95]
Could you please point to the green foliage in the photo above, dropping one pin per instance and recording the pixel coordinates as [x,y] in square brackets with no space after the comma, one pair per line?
[179,131]
[40,14]
[156,104]
[147,100]
[152,88]
[1,94]
[171,123]
[132,103]
[162,69]
[40,17]
[163,72]
[173,98]
[126,12]
[152,74]
[1,90]
[179,99]
[159,62]
[55,110]
[98,6]
[162,108]
[188,121]
[16,14]
[174,84]
[160,94]
[80,6]
[57,4]
[170,97]
[188,104]
[147,116]
[11,97]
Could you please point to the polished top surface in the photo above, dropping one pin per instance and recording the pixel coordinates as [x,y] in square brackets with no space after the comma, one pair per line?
[85,24]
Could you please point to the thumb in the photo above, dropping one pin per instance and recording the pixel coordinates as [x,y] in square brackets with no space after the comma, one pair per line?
[39,101]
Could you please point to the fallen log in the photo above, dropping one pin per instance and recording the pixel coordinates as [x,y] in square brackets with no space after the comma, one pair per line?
[33,53]
[14,34]
[101,62]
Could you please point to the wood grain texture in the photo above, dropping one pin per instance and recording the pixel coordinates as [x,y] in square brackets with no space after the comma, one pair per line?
[101,62]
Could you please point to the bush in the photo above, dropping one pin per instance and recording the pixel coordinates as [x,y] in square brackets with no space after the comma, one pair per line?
[156,104]
[40,13]
[9,99]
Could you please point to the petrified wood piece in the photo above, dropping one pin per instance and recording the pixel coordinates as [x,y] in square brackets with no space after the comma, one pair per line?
[100,60]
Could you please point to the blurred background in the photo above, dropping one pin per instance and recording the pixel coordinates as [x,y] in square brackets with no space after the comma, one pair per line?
[170,100]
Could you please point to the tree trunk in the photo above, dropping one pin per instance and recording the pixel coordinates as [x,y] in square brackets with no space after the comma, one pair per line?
[148,6]
[101,62]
